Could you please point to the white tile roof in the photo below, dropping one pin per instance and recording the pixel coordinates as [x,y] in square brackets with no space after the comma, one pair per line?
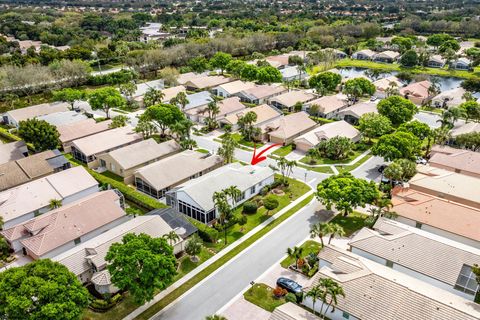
[264,113]
[291,311]
[331,103]
[106,140]
[432,255]
[243,177]
[236,86]
[174,169]
[328,131]
[143,152]
[359,109]
[373,291]
[289,99]
[63,118]
[81,129]
[38,110]
[39,192]
[292,125]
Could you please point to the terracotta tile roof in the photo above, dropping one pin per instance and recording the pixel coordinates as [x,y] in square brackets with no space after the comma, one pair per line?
[264,113]
[417,89]
[464,160]
[289,99]
[230,105]
[331,103]
[263,91]
[291,125]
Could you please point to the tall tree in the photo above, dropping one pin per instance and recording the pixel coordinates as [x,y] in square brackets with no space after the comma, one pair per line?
[346,192]
[141,264]
[227,149]
[42,289]
[374,125]
[246,125]
[193,247]
[165,116]
[152,97]
[40,133]
[69,95]
[171,237]
[336,148]
[212,111]
[333,290]
[399,110]
[328,80]
[315,293]
[106,99]
[181,100]
[285,167]
[224,202]
[397,145]
[220,60]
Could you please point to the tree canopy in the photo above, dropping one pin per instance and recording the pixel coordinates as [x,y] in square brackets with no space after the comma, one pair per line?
[40,133]
[141,264]
[164,115]
[346,192]
[374,125]
[42,289]
[419,129]
[398,109]
[397,145]
[328,80]
[106,99]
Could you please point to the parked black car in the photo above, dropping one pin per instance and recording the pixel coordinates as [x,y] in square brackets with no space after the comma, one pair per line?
[289,285]
[381,168]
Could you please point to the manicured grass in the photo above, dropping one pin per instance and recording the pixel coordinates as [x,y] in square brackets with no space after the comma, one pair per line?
[308,246]
[186,264]
[112,175]
[202,150]
[351,223]
[396,67]
[325,169]
[354,166]
[262,295]
[283,151]
[214,266]
[239,138]
[352,156]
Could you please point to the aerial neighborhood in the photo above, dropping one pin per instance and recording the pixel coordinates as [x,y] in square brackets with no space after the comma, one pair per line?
[290,161]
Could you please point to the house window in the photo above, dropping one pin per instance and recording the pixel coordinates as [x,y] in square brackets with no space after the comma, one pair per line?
[466,281]
[418,225]
[252,190]
[345,315]
[389,264]
[77,241]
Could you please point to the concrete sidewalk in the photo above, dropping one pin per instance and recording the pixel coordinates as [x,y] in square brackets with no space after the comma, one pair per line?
[204,265]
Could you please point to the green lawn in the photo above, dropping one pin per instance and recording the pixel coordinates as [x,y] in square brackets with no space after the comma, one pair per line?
[112,175]
[352,156]
[308,246]
[396,67]
[354,166]
[239,138]
[325,169]
[202,150]
[351,223]
[283,151]
[186,265]
[262,295]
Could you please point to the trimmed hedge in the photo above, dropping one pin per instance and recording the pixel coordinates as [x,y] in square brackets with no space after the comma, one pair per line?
[12,138]
[99,305]
[249,207]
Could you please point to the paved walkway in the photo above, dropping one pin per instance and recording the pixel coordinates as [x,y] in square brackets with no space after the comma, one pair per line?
[244,310]
[193,273]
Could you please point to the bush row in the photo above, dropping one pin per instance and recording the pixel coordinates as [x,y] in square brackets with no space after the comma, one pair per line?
[114,78]
[100,305]
[12,138]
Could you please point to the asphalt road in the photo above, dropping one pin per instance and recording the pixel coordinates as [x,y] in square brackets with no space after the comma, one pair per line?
[212,294]
[208,297]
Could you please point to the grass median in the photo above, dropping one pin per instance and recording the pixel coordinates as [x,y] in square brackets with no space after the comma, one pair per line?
[220,262]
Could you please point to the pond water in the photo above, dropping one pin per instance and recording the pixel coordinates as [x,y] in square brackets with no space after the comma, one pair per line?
[445,83]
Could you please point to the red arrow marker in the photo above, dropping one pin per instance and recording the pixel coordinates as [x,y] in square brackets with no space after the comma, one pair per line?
[256,158]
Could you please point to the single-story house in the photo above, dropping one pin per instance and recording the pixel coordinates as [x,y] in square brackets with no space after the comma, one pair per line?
[17,172]
[443,149]
[329,106]
[288,100]
[291,311]
[198,82]
[89,148]
[87,260]
[67,186]
[63,228]
[70,132]
[172,92]
[353,113]
[449,99]
[435,215]
[384,84]
[452,186]
[261,93]
[265,115]
[159,177]
[125,161]
[327,131]
[279,61]
[386,56]
[462,161]
[143,88]
[419,253]
[226,107]
[293,73]
[13,117]
[197,102]
[287,128]
[63,118]
[462,64]
[13,151]
[373,291]
[436,61]
[338,53]
[231,88]
[468,127]
[417,92]
[194,197]
[366,54]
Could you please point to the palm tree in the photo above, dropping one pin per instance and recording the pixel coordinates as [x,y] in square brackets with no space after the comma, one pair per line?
[227,149]
[315,293]
[171,237]
[180,99]
[215,317]
[334,290]
[220,200]
[442,135]
[54,204]
[286,167]
[213,110]
[320,229]
[336,230]
[295,253]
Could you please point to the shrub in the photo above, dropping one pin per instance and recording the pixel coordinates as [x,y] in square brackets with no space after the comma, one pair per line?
[270,202]
[291,297]
[312,271]
[279,292]
[208,234]
[243,220]
[249,207]
[263,191]
[122,76]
